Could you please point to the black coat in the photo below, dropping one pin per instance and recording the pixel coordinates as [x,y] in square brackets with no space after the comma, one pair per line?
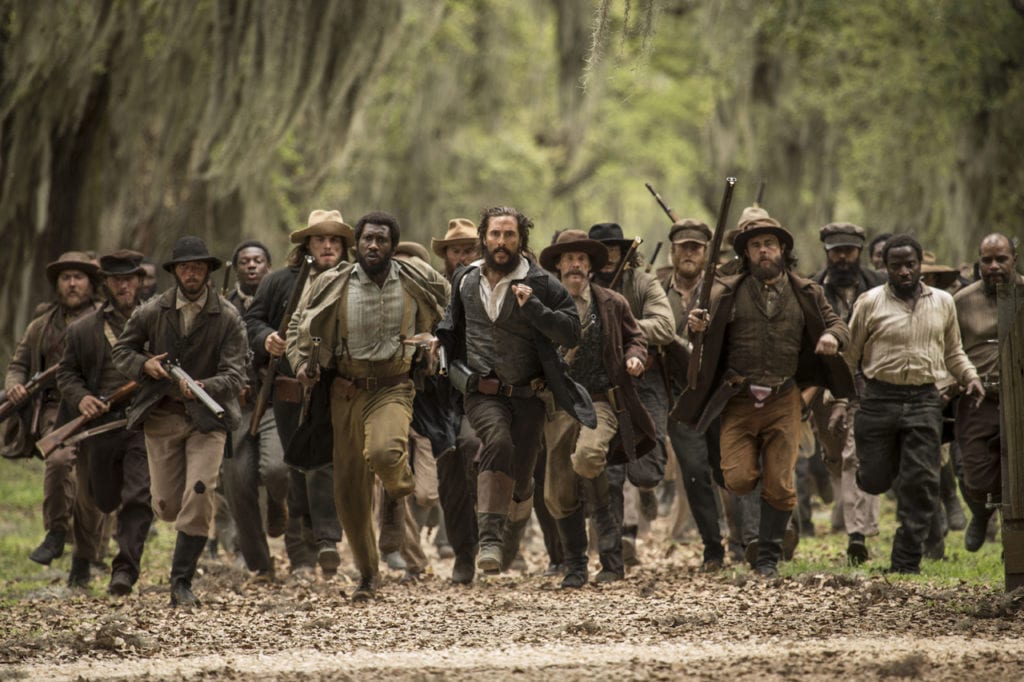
[552,314]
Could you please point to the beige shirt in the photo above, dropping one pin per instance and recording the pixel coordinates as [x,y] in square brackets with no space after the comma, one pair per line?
[493,298]
[374,315]
[189,310]
[898,345]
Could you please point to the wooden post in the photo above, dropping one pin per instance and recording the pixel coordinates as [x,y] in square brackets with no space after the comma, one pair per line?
[1011,409]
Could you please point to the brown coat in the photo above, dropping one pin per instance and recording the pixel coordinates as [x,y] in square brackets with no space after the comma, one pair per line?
[213,352]
[622,340]
[812,370]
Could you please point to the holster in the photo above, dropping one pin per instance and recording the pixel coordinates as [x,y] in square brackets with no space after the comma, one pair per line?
[462,377]
[732,385]
[287,389]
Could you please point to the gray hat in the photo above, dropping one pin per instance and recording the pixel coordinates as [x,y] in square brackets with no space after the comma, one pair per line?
[842,234]
[689,230]
[188,249]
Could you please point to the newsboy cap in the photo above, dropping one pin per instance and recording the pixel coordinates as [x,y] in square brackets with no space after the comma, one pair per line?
[842,234]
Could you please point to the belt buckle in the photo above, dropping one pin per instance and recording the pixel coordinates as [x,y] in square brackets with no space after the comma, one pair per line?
[613,398]
[760,393]
[371,383]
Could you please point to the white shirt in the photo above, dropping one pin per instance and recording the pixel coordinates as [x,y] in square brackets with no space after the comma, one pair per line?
[493,298]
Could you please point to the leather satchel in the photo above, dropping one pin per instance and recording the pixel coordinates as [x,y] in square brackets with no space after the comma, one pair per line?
[288,390]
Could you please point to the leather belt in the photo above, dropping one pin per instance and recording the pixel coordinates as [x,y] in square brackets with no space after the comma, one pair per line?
[762,393]
[373,383]
[491,386]
[611,396]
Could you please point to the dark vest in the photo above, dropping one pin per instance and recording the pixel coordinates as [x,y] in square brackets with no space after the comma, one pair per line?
[587,368]
[764,349]
[505,346]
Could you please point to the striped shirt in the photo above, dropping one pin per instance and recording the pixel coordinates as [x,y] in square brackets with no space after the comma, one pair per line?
[374,316]
[897,344]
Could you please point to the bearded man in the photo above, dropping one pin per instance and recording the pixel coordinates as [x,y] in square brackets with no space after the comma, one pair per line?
[844,281]
[41,347]
[754,385]
[191,325]
[501,331]
[977,424]
[112,468]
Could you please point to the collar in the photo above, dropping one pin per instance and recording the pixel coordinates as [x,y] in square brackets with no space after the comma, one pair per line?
[360,275]
[925,291]
[519,273]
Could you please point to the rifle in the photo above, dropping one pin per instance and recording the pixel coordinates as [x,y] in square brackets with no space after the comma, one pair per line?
[263,399]
[697,339]
[310,369]
[760,192]
[179,374]
[37,383]
[654,257]
[621,267]
[60,436]
[661,202]
[224,287]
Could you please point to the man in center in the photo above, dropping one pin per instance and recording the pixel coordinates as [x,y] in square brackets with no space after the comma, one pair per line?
[611,352]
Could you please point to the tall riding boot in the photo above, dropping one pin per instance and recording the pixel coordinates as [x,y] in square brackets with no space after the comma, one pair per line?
[609,539]
[519,516]
[955,517]
[573,532]
[494,499]
[187,550]
[772,529]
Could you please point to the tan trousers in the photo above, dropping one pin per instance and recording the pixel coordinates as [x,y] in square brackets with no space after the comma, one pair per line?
[371,430]
[574,450]
[184,466]
[860,509]
[425,470]
[762,443]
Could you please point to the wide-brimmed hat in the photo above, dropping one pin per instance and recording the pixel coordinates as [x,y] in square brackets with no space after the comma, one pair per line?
[121,263]
[190,249]
[574,241]
[460,231]
[412,249]
[610,234]
[842,234]
[70,260]
[322,223]
[945,275]
[689,230]
[748,214]
[761,226]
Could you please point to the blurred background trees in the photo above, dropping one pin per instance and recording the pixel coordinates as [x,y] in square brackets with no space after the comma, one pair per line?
[131,123]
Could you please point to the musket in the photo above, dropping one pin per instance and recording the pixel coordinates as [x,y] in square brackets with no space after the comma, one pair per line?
[263,399]
[37,383]
[179,374]
[697,339]
[624,261]
[60,436]
[224,288]
[311,369]
[654,257]
[760,192]
[661,202]
[94,431]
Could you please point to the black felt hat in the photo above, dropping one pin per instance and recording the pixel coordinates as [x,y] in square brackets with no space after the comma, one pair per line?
[189,249]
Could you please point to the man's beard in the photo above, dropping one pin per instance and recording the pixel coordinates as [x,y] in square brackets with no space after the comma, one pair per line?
[375,268]
[82,300]
[766,270]
[843,275]
[604,278]
[504,268]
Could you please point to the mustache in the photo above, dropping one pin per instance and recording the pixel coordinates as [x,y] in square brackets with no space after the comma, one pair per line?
[576,271]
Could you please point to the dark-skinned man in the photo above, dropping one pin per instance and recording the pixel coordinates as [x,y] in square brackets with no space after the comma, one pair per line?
[844,281]
[363,313]
[689,239]
[313,527]
[41,347]
[650,308]
[977,425]
[255,460]
[755,386]
[904,338]
[501,331]
[191,325]
[611,352]
[112,468]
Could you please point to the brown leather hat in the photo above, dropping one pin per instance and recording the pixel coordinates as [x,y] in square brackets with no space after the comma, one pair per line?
[460,231]
[70,260]
[761,226]
[189,249]
[323,222]
[944,275]
[574,241]
[123,262]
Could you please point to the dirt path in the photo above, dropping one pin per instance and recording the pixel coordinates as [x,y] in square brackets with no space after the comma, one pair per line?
[664,621]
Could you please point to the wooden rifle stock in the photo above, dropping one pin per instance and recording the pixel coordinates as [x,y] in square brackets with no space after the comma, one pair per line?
[661,202]
[263,399]
[33,386]
[693,369]
[654,257]
[54,439]
[624,262]
[760,192]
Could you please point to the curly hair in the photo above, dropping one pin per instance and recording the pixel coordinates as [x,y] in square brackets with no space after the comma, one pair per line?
[898,241]
[522,223]
[380,218]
